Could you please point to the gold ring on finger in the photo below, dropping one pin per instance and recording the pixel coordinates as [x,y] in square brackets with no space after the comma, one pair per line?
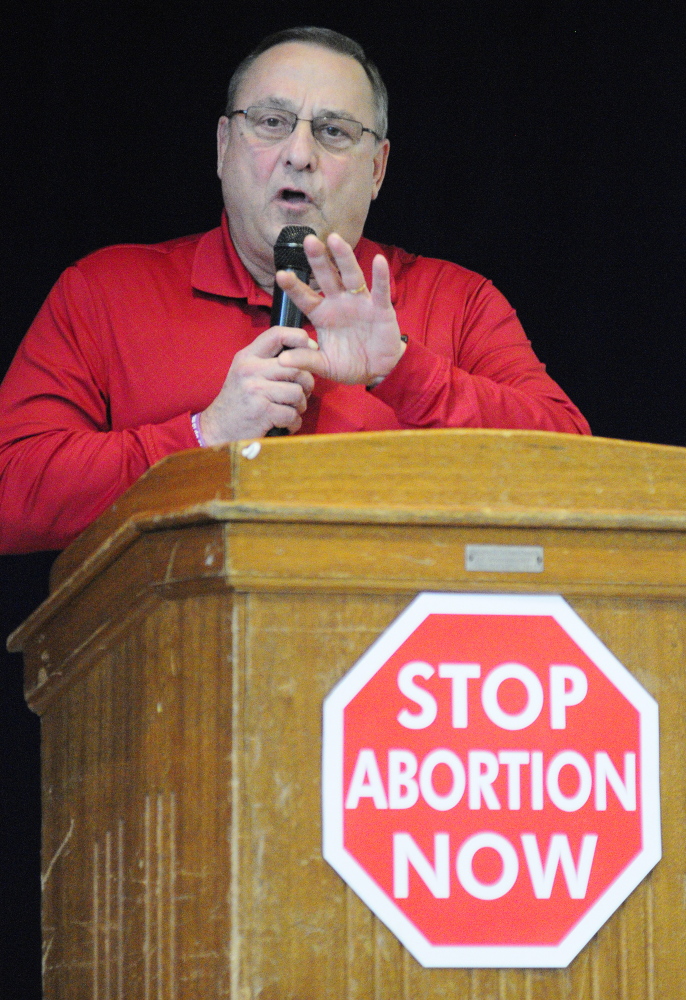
[356,291]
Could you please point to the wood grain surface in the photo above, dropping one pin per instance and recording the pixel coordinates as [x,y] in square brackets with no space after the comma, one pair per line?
[180,666]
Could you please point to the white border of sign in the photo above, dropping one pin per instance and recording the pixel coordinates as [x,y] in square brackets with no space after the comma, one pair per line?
[435,956]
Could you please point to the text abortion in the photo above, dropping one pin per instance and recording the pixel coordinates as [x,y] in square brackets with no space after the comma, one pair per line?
[491,779]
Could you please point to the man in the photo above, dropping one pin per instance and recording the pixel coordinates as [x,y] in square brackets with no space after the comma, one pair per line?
[142,351]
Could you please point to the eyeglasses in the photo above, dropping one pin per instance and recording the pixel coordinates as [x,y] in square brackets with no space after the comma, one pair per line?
[275,124]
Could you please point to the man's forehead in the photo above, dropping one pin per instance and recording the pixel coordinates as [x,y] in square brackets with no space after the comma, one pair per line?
[293,71]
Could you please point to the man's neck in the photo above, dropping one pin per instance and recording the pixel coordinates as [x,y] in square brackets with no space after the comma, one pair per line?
[261,271]
[263,277]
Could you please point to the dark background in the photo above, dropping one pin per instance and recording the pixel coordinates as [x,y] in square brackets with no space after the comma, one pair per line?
[541,146]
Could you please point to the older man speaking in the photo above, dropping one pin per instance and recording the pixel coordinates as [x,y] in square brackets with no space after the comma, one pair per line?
[140,351]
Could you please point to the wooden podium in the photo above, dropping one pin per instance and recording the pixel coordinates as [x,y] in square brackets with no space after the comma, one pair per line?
[180,664]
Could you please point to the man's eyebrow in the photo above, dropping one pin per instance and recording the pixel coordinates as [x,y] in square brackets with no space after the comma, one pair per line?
[336,113]
[284,104]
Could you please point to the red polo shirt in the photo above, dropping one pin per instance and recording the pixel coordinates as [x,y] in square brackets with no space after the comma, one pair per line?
[134,339]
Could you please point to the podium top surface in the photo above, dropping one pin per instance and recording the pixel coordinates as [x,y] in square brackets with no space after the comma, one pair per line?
[440,476]
[461,477]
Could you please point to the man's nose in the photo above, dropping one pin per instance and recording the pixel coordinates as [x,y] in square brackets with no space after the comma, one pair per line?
[300,149]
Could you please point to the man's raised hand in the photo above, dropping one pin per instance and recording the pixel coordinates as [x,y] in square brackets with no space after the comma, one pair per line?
[357,329]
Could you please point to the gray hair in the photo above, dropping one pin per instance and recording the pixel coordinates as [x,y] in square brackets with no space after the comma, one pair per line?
[327,39]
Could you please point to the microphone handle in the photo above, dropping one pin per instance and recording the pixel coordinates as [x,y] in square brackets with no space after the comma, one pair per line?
[286,313]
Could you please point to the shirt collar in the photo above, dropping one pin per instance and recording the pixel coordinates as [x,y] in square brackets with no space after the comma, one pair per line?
[218,270]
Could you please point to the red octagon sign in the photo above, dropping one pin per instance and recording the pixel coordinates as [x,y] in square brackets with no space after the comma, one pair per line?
[491,781]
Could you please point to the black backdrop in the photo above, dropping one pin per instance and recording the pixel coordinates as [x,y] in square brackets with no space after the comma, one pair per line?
[542,146]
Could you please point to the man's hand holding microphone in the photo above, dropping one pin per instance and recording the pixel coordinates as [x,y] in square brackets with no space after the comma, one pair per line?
[269,381]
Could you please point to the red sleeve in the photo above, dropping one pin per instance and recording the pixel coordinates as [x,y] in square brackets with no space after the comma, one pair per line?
[60,463]
[468,363]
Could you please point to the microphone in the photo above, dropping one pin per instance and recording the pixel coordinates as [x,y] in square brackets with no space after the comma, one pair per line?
[289,255]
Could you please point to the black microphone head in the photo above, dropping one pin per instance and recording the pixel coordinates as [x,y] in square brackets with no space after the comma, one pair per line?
[288,249]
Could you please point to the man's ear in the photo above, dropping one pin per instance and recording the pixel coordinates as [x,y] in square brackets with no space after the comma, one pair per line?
[380,162]
[222,141]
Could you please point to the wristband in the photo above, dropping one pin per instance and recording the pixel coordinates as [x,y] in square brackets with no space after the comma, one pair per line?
[195,424]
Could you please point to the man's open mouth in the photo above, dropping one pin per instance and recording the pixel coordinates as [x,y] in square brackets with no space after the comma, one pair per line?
[293,195]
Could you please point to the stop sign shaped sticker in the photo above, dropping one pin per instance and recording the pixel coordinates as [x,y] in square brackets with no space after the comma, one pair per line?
[491,781]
